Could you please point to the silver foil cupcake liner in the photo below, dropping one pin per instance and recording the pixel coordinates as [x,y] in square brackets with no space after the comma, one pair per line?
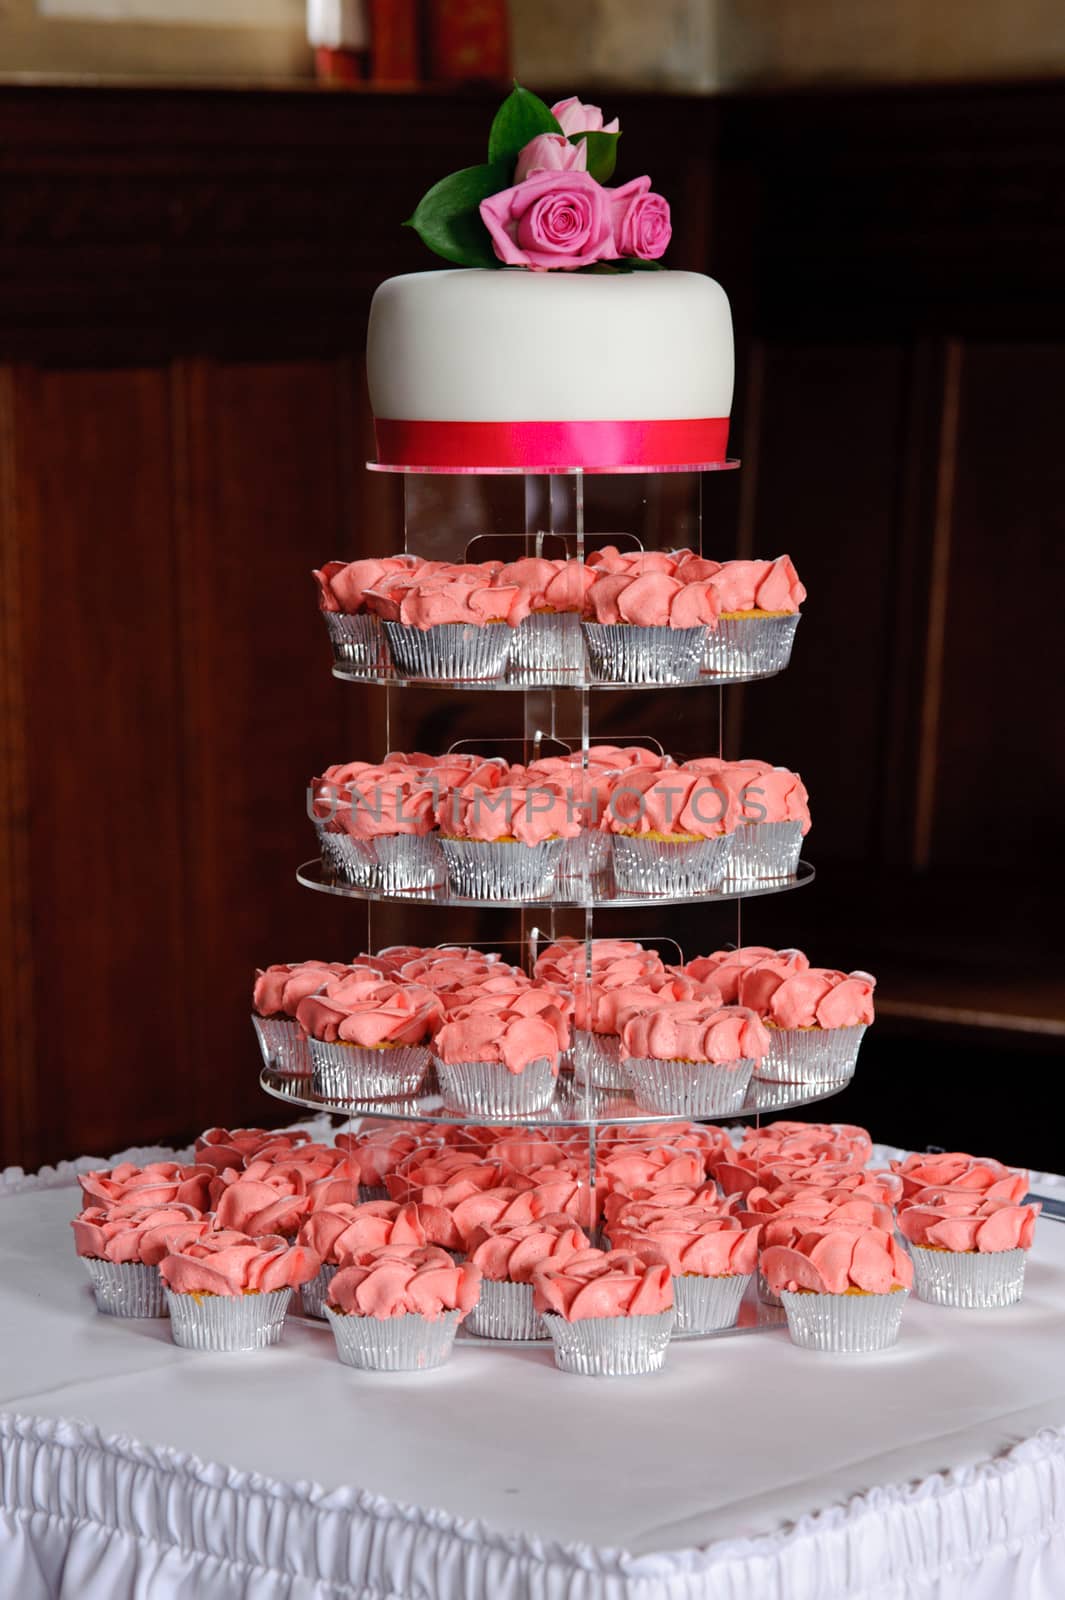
[227,1322]
[494,870]
[548,642]
[409,1343]
[314,1294]
[610,1347]
[766,1295]
[703,1305]
[849,1324]
[749,647]
[489,1089]
[505,1311]
[389,863]
[968,1280]
[450,650]
[283,1044]
[688,1088]
[586,857]
[763,852]
[673,871]
[355,1072]
[817,1057]
[126,1288]
[623,653]
[357,640]
[596,1059]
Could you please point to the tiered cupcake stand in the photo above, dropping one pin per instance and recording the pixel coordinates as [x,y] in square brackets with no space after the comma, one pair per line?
[443,519]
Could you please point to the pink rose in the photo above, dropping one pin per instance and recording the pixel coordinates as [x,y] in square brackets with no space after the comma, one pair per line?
[574,117]
[555,219]
[550,152]
[640,220]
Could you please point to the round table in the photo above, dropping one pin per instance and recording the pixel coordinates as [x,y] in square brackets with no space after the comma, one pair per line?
[748,1468]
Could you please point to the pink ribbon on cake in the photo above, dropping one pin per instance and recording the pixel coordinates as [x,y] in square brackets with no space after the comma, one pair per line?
[551,446]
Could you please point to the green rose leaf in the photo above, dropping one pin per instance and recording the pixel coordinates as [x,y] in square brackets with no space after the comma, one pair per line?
[448,219]
[602,153]
[520,118]
[640,264]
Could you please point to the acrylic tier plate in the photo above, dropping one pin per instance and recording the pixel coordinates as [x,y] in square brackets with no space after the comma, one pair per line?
[526,678]
[599,892]
[574,1105]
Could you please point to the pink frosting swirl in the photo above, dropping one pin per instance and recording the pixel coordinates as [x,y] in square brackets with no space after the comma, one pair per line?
[818,1208]
[340,1233]
[529,813]
[674,801]
[655,1167]
[342,585]
[371,1012]
[811,1197]
[602,1283]
[381,1150]
[724,967]
[838,1257]
[231,1147]
[229,1263]
[463,594]
[756,791]
[694,1031]
[499,1033]
[280,988]
[160,1183]
[635,1207]
[819,997]
[758,586]
[966,1220]
[270,1203]
[691,1242]
[513,1254]
[623,987]
[136,1233]
[651,599]
[513,1206]
[956,1170]
[405,1280]
[381,802]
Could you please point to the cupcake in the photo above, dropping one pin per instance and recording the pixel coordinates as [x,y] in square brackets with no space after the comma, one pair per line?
[689,1058]
[339,1233]
[507,1259]
[354,631]
[548,640]
[608,1313]
[376,826]
[398,1309]
[262,1201]
[712,1260]
[586,787]
[815,1020]
[968,1250]
[455,623]
[769,816]
[369,1037]
[620,988]
[829,1154]
[646,626]
[842,1287]
[669,833]
[379,1151]
[758,605]
[278,991]
[122,1246]
[228,1292]
[505,844]
[785,1214]
[500,1061]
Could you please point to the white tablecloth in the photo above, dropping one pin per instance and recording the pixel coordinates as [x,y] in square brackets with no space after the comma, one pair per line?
[747,1469]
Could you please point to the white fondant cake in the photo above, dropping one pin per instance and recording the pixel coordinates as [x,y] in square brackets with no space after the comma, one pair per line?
[514,347]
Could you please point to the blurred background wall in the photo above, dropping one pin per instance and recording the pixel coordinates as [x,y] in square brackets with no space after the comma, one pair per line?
[185,276]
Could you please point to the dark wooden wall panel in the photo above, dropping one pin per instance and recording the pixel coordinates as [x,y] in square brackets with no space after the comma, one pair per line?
[103,726]
[998,758]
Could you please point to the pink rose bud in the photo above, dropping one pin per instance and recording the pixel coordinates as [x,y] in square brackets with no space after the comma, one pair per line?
[550,152]
[555,219]
[640,220]
[574,117]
